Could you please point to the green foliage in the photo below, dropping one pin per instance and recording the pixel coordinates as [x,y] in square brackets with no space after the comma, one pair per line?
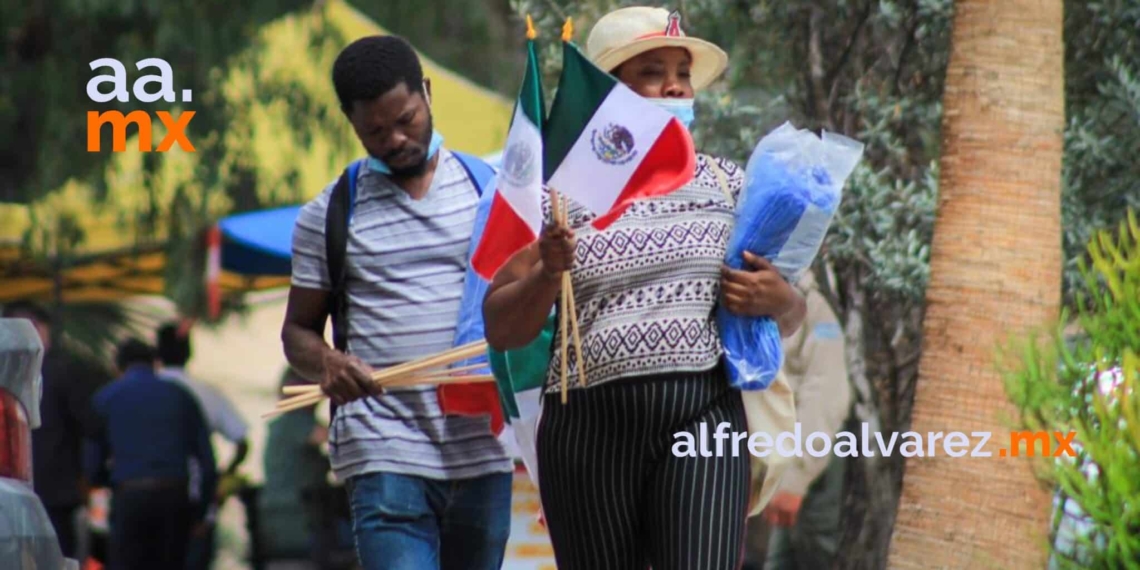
[1090,385]
[90,331]
[1102,141]
[480,39]
[43,74]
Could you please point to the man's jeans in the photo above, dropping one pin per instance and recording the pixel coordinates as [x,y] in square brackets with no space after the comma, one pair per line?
[404,522]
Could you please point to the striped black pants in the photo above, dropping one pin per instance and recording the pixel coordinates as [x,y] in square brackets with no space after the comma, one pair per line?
[615,496]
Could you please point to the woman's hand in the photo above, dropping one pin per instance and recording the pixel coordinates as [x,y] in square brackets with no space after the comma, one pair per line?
[556,249]
[759,292]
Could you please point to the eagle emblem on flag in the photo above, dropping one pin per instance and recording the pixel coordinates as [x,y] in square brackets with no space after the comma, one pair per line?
[519,164]
[613,145]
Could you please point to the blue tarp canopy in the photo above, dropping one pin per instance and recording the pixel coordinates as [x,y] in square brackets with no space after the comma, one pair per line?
[260,242]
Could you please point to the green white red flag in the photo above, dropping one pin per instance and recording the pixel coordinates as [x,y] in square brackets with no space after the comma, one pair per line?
[606,146]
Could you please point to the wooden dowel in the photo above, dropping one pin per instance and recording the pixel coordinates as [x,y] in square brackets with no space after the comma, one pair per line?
[556,212]
[297,403]
[303,389]
[579,357]
[436,381]
[434,373]
[458,354]
[403,381]
[457,370]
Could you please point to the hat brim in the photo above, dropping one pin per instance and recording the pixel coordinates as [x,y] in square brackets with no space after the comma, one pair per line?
[709,61]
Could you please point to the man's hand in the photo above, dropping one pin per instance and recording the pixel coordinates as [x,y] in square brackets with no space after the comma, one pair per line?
[347,378]
[761,292]
[784,509]
[556,247]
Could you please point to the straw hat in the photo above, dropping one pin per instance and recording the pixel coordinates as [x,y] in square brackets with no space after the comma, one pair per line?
[629,32]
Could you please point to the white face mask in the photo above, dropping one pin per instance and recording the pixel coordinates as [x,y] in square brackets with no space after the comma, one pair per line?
[680,108]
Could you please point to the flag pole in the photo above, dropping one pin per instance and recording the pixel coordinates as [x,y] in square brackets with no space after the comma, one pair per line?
[556,217]
[568,284]
[568,309]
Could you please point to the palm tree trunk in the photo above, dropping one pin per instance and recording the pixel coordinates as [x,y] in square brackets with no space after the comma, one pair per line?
[995,271]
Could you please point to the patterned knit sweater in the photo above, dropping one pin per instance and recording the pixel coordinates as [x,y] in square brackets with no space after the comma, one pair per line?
[646,287]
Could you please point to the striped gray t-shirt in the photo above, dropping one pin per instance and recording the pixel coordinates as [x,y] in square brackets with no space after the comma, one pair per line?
[406,261]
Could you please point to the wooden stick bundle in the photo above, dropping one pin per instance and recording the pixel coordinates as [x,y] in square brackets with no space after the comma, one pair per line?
[422,371]
[567,311]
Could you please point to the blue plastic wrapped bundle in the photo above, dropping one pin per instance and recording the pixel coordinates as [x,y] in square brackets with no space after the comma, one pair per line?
[793,185]
[470,325]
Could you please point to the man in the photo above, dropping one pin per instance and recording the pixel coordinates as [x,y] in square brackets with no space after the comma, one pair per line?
[151,428]
[803,515]
[66,418]
[221,417]
[427,489]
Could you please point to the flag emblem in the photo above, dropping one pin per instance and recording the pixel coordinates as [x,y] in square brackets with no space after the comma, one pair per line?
[520,162]
[614,144]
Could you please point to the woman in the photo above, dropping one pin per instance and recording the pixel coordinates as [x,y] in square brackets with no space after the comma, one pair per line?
[613,493]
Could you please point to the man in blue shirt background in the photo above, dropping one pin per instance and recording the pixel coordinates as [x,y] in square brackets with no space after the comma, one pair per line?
[149,429]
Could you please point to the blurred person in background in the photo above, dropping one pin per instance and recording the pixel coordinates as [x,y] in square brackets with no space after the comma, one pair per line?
[222,418]
[66,418]
[149,430]
[294,464]
[802,519]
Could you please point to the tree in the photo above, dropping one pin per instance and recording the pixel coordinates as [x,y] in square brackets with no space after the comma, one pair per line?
[995,269]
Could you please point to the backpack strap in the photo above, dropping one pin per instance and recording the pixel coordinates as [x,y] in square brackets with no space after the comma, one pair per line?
[479,171]
[342,202]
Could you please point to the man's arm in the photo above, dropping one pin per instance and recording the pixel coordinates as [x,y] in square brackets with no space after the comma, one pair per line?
[790,322]
[202,450]
[303,332]
[343,377]
[239,456]
[231,425]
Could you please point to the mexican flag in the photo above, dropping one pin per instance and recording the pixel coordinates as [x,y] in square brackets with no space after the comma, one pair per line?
[521,374]
[606,146]
[515,220]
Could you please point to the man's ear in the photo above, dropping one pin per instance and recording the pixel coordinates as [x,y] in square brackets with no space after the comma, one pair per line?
[427,91]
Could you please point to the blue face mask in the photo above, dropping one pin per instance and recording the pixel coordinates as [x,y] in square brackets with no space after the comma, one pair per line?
[680,108]
[377,165]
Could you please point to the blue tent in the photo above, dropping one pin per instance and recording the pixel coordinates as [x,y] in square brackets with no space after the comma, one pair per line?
[260,242]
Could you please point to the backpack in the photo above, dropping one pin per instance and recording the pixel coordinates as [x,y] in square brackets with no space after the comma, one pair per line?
[337,217]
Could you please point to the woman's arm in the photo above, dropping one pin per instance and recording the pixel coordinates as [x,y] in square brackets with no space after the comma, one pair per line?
[762,292]
[519,299]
